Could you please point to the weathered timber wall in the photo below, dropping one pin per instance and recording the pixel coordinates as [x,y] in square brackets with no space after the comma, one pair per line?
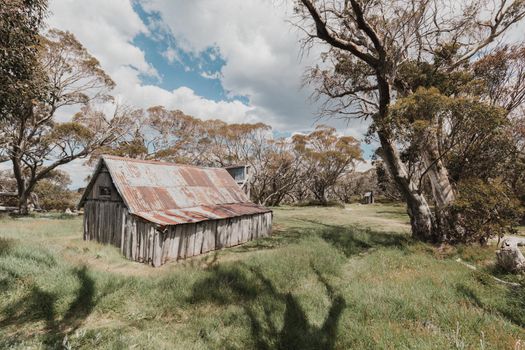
[109,222]
[186,240]
[103,221]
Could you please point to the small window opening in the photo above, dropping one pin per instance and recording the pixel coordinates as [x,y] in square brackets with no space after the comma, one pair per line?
[237,173]
[104,191]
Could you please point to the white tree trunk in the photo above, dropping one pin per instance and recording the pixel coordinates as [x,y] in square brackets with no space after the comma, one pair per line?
[421,217]
[442,189]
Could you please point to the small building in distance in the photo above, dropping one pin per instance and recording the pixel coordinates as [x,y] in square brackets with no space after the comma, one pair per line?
[368,198]
[157,211]
[241,175]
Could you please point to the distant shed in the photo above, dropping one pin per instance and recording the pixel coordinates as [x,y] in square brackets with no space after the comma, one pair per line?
[241,175]
[156,211]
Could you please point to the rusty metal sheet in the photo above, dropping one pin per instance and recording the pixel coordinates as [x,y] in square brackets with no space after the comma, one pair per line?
[170,194]
[201,213]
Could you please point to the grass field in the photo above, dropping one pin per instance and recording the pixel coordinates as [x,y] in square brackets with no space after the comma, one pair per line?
[329,278]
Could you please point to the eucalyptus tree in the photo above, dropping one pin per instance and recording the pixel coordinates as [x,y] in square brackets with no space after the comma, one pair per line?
[35,141]
[20,23]
[326,156]
[409,67]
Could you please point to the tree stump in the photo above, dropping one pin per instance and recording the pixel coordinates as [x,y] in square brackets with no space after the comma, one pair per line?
[509,256]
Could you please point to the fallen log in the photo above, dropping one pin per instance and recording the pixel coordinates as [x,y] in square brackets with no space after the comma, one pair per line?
[8,194]
[8,209]
[499,280]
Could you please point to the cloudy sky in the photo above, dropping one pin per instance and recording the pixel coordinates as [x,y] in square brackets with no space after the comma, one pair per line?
[236,60]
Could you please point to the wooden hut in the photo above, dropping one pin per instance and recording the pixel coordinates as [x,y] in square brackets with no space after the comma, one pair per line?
[156,211]
[368,198]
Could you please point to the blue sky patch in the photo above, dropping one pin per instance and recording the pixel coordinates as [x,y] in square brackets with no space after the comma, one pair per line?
[178,68]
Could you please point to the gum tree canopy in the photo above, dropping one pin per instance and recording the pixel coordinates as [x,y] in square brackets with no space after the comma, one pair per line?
[33,140]
[428,76]
[20,23]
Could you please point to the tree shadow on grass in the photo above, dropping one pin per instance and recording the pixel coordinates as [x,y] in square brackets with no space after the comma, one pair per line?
[511,306]
[278,238]
[277,319]
[266,307]
[39,305]
[5,245]
[393,212]
[352,240]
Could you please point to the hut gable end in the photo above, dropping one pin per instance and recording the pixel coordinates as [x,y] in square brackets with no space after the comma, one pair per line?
[103,188]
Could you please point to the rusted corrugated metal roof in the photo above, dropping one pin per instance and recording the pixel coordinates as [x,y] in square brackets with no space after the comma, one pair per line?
[201,213]
[170,194]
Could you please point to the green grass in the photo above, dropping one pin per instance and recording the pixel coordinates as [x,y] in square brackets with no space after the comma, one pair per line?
[329,278]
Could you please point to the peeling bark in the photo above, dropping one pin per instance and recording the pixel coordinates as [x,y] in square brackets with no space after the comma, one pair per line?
[421,217]
[442,189]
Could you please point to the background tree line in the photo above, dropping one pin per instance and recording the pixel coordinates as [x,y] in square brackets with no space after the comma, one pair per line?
[303,167]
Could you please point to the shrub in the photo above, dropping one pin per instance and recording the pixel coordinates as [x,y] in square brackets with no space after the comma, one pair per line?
[482,210]
[55,197]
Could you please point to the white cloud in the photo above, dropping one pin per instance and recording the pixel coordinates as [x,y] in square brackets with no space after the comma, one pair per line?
[107,29]
[363,166]
[260,48]
[210,75]
[78,171]
[171,55]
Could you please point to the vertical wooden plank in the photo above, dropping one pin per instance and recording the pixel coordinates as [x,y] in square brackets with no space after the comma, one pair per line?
[238,233]
[183,241]
[136,225]
[171,251]
[250,228]
[234,232]
[209,233]
[122,228]
[256,220]
[199,238]
[229,232]
[187,239]
[191,245]
[206,236]
[150,248]
[270,220]
[157,249]
[245,229]
[166,241]
[242,223]
[225,232]
[142,235]
[178,242]
[212,243]
[219,237]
